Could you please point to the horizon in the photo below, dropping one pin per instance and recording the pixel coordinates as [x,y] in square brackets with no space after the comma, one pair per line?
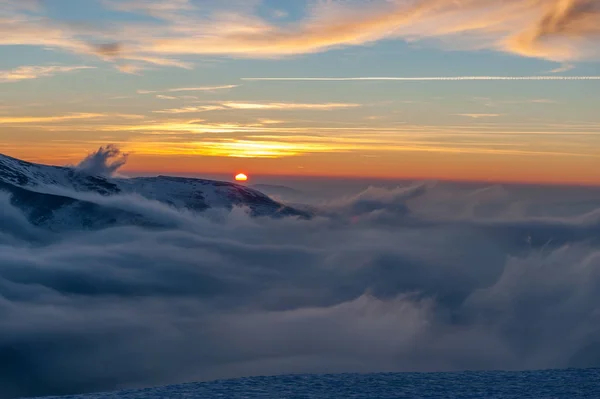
[280,179]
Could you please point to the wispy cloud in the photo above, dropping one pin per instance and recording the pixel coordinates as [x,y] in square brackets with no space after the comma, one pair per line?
[183,89]
[24,120]
[130,69]
[563,68]
[243,148]
[479,116]
[46,119]
[558,30]
[258,106]
[190,110]
[21,5]
[265,146]
[152,7]
[280,140]
[205,88]
[270,122]
[489,102]
[551,29]
[422,79]
[288,106]
[542,101]
[35,72]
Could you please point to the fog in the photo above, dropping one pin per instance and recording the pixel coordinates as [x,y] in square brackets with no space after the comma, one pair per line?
[421,277]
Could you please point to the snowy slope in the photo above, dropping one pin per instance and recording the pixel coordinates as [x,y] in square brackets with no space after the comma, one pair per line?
[47,194]
[567,384]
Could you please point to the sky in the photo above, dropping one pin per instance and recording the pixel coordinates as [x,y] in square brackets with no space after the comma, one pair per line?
[354,88]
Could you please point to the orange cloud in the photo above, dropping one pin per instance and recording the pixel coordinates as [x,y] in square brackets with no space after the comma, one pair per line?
[237,148]
[180,89]
[258,106]
[266,146]
[34,29]
[24,120]
[288,106]
[189,110]
[34,72]
[560,30]
[17,120]
[479,116]
[552,29]
[567,29]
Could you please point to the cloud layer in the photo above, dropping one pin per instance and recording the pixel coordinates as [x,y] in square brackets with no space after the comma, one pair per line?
[422,277]
[558,30]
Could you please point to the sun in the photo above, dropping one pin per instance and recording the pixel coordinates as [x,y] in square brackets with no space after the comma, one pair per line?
[241,177]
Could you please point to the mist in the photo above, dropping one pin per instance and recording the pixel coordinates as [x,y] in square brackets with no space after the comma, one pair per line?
[420,277]
[106,161]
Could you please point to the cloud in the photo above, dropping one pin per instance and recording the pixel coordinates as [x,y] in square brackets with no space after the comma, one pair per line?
[162,97]
[257,148]
[557,30]
[27,5]
[17,120]
[566,30]
[175,137]
[130,68]
[427,79]
[553,29]
[35,72]
[542,101]
[151,7]
[104,162]
[156,61]
[110,50]
[36,29]
[131,63]
[180,89]
[422,277]
[258,106]
[186,110]
[479,116]
[256,144]
[288,106]
[205,88]
[563,68]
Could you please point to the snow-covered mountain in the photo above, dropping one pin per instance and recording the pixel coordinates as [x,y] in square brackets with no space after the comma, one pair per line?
[55,197]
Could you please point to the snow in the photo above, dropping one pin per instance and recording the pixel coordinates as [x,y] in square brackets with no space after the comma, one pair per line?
[555,384]
[47,193]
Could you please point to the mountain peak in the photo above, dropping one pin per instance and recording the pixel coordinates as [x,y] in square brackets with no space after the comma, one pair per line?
[46,193]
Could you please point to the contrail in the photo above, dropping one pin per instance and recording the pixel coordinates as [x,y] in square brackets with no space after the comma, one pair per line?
[424,79]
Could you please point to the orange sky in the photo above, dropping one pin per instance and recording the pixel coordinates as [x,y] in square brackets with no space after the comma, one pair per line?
[436,89]
[404,165]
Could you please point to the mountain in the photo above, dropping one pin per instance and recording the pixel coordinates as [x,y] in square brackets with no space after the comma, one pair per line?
[60,198]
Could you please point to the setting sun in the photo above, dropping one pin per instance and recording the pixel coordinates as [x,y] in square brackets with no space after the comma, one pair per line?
[241,177]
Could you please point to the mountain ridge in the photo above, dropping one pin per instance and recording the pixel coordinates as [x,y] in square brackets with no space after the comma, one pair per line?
[49,195]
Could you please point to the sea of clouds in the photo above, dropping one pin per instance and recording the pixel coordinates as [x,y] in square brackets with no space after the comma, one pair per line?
[422,277]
